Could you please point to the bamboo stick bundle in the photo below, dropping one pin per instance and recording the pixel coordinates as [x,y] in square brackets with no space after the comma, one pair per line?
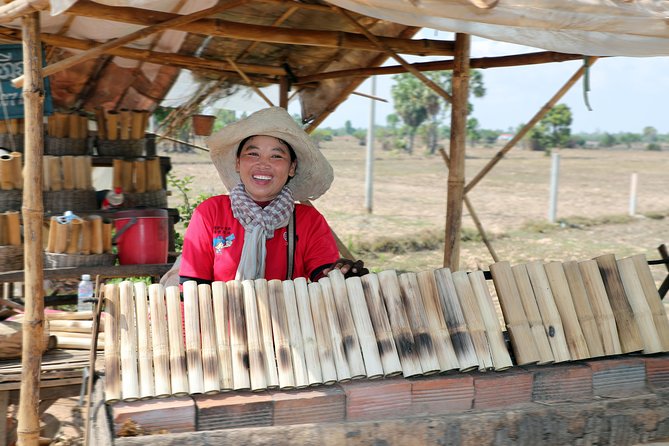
[364,328]
[222,320]
[139,175]
[601,307]
[524,340]
[144,350]
[112,348]
[295,335]
[51,238]
[256,358]
[73,126]
[153,174]
[281,334]
[578,347]
[13,228]
[192,331]
[126,176]
[472,313]
[85,243]
[586,317]
[125,124]
[107,235]
[653,297]
[67,166]
[455,320]
[62,234]
[6,172]
[111,125]
[178,375]
[351,342]
[238,346]
[160,341]
[501,359]
[415,310]
[55,173]
[129,381]
[265,319]
[75,236]
[96,234]
[314,374]
[137,124]
[399,323]
[322,330]
[208,331]
[637,299]
[628,331]
[337,341]
[384,335]
[17,169]
[101,122]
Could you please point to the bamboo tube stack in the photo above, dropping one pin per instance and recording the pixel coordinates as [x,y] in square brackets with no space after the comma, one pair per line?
[11,171]
[71,330]
[10,229]
[67,125]
[67,173]
[121,125]
[90,235]
[137,175]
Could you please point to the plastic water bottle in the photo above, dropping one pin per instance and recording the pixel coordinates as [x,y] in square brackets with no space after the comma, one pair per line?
[85,294]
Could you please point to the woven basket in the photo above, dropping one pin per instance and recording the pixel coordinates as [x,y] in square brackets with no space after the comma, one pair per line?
[11,200]
[53,260]
[11,258]
[57,202]
[65,146]
[13,143]
[153,199]
[127,148]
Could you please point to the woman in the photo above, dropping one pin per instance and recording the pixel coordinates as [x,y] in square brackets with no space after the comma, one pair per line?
[267,162]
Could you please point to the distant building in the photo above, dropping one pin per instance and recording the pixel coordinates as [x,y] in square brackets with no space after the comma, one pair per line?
[505,137]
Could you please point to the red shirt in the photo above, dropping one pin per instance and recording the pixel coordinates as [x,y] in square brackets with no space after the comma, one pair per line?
[214,240]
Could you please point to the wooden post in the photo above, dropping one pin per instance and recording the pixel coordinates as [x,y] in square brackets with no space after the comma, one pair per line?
[284,88]
[456,171]
[33,212]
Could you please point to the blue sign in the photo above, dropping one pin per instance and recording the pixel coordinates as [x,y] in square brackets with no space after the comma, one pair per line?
[11,98]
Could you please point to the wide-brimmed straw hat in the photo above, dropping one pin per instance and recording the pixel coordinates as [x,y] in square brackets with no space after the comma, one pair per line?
[313,175]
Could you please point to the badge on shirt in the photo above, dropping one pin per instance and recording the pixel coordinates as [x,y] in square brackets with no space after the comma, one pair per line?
[220,243]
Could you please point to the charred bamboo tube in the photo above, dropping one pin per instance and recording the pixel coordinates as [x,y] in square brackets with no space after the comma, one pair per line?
[337,342]
[111,123]
[62,234]
[222,320]
[413,303]
[139,175]
[653,298]
[129,381]
[208,333]
[281,337]
[192,331]
[13,228]
[238,345]
[144,350]
[96,234]
[75,236]
[314,375]
[112,348]
[364,328]
[322,329]
[254,338]
[175,327]
[51,240]
[160,340]
[6,172]
[125,124]
[295,335]
[67,165]
[265,319]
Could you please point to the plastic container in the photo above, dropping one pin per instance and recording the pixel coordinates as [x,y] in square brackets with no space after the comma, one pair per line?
[85,294]
[141,236]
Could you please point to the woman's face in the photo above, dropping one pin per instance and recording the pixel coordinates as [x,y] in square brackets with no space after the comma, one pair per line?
[264,166]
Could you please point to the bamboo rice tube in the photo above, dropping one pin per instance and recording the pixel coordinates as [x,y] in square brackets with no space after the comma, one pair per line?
[153,174]
[349,335]
[322,329]
[314,375]
[100,119]
[50,125]
[265,320]
[238,346]
[399,323]
[51,241]
[87,165]
[586,318]
[144,350]
[208,333]
[145,121]
[446,356]
[14,126]
[336,340]
[413,303]
[222,320]
[178,374]
[61,125]
[653,297]
[55,173]
[601,307]
[193,344]
[46,173]
[4,230]
[3,126]
[111,125]
[139,175]
[73,126]
[95,234]
[17,169]
[472,313]
[62,234]
[364,328]
[281,337]
[126,176]
[79,171]
[75,236]
[254,338]
[137,124]
[129,380]
[295,335]
[83,125]
[160,341]
[67,165]
[578,347]
[501,359]
[628,331]
[6,172]
[106,235]
[85,243]
[637,299]
[125,124]
[112,352]
[117,173]
[13,228]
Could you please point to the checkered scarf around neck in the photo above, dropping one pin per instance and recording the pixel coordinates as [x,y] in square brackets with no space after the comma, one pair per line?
[259,225]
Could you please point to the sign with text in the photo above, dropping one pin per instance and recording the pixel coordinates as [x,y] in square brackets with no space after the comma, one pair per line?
[11,98]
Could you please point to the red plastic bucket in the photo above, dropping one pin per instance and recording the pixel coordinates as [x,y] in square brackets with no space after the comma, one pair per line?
[141,236]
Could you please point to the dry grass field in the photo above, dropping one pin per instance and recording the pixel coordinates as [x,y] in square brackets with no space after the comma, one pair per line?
[409,195]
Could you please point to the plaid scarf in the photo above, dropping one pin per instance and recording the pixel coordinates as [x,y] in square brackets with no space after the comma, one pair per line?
[259,225]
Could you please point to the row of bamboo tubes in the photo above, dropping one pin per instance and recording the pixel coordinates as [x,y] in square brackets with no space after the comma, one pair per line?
[14,126]
[137,175]
[90,235]
[67,125]
[67,173]
[10,228]
[124,124]
[11,171]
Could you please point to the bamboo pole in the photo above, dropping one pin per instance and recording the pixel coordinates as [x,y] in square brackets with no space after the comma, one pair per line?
[33,211]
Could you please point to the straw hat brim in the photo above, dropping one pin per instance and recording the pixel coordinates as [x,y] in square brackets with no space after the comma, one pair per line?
[313,175]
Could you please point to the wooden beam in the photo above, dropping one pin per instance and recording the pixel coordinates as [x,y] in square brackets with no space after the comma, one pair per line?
[267,34]
[19,8]
[139,34]
[250,83]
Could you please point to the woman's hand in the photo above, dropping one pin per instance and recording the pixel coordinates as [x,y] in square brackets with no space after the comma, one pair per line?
[348,268]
